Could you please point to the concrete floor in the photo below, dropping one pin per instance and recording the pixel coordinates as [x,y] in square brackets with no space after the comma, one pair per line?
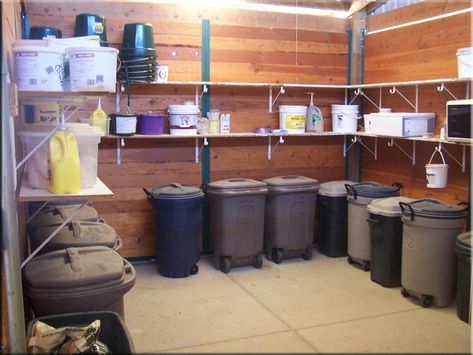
[318,306]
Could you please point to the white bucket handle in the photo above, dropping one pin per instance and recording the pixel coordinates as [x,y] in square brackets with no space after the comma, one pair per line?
[437,151]
[358,117]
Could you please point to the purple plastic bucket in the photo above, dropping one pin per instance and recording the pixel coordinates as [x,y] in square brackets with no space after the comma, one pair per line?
[150,124]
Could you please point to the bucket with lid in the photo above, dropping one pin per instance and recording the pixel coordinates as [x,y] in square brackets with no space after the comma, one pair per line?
[345,118]
[123,124]
[93,69]
[465,62]
[149,123]
[183,119]
[292,118]
[436,174]
[430,229]
[39,68]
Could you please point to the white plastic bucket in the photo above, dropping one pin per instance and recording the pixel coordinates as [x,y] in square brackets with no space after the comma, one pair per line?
[436,174]
[292,118]
[39,68]
[345,118]
[183,119]
[465,62]
[93,69]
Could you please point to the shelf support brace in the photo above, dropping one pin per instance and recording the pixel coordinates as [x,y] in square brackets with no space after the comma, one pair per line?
[197,150]
[198,98]
[53,234]
[271,102]
[411,157]
[271,150]
[360,92]
[442,87]
[440,147]
[120,145]
[358,139]
[394,90]
[30,218]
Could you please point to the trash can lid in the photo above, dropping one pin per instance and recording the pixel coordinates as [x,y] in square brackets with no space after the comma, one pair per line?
[334,188]
[292,183]
[432,208]
[176,191]
[75,267]
[388,207]
[463,245]
[372,190]
[237,184]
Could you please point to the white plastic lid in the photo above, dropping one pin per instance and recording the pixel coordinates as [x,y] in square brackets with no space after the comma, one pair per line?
[30,42]
[345,107]
[388,207]
[334,188]
[177,109]
[91,49]
[45,49]
[293,108]
[466,50]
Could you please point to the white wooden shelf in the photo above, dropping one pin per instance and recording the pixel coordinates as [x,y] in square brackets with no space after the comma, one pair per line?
[227,135]
[29,194]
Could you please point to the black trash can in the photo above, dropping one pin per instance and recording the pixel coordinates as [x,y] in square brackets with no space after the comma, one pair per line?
[113,331]
[386,240]
[463,251]
[333,208]
[178,219]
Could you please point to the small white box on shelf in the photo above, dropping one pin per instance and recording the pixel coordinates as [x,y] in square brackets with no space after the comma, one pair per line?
[401,124]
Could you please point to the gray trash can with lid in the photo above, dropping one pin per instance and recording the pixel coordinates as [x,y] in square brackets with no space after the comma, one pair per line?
[178,219]
[358,238]
[386,240]
[289,217]
[430,229]
[463,251]
[78,280]
[333,209]
[236,212]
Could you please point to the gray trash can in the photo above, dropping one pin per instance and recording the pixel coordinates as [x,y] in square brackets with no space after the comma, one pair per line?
[236,212]
[78,280]
[463,251]
[289,217]
[358,240]
[333,209]
[430,229]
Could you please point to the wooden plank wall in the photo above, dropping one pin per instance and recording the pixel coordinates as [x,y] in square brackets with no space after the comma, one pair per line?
[418,52]
[245,46]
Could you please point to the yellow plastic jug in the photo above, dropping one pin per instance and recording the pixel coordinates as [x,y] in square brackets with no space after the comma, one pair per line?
[64,163]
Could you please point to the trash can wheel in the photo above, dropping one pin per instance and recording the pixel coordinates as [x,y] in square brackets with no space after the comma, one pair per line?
[225,264]
[258,262]
[366,266]
[194,270]
[307,253]
[404,293]
[349,260]
[276,255]
[426,301]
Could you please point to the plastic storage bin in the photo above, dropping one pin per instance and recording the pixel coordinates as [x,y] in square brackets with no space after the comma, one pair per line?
[289,217]
[333,209]
[386,240]
[178,218]
[358,235]
[236,209]
[428,250]
[78,280]
[113,330]
[463,251]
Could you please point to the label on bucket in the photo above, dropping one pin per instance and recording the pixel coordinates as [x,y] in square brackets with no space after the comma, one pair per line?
[295,121]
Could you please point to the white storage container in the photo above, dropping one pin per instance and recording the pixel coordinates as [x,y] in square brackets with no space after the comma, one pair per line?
[183,119]
[401,124]
[88,138]
[292,118]
[465,62]
[345,118]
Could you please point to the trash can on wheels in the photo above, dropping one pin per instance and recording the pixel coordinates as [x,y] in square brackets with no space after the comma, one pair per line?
[430,229]
[236,210]
[178,219]
[463,251]
[289,217]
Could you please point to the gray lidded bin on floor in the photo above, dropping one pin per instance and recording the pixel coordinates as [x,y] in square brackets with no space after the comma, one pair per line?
[76,234]
[78,280]
[178,219]
[428,250]
[236,211]
[289,217]
[333,209]
[358,236]
[386,240]
[463,251]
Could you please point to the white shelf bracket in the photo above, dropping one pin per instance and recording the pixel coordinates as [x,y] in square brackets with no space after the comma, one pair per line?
[272,149]
[359,92]
[198,98]
[442,87]
[412,157]
[271,102]
[462,164]
[198,151]
[53,234]
[120,145]
[30,218]
[394,90]
[355,139]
